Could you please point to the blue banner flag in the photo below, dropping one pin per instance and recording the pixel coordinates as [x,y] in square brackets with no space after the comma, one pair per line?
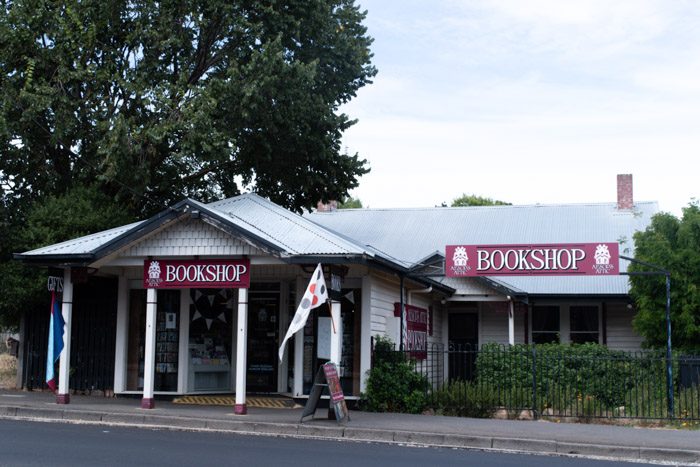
[56,325]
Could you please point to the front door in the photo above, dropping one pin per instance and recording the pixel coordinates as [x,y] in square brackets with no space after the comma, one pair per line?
[463,345]
[263,342]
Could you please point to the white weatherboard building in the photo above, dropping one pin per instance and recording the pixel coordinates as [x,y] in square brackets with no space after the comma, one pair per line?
[191,340]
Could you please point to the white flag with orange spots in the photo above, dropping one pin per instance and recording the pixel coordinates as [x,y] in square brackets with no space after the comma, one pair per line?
[316,295]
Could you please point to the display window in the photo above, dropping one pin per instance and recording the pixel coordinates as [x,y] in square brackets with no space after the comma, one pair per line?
[167,340]
[210,339]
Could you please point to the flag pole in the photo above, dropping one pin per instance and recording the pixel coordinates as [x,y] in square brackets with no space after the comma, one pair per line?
[330,310]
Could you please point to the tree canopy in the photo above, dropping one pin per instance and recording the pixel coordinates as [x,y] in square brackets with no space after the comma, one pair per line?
[180,98]
[474,200]
[350,203]
[142,103]
[672,244]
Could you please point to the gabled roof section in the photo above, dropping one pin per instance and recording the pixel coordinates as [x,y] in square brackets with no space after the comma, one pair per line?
[433,265]
[292,233]
[82,245]
[408,235]
[258,221]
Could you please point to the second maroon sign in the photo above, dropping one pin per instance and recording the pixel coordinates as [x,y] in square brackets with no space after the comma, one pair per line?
[568,259]
[207,273]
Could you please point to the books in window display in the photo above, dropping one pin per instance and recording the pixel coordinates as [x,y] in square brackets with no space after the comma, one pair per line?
[202,355]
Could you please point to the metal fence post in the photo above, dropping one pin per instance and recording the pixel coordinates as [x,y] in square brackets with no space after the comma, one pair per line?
[534,382]
[669,354]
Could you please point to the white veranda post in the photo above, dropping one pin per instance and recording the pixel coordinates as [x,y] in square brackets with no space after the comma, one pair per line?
[241,349]
[336,333]
[511,323]
[150,351]
[63,395]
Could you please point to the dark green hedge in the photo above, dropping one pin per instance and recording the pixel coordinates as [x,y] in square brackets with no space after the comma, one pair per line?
[564,373]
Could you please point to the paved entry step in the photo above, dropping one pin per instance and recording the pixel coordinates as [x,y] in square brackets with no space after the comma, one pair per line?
[251,401]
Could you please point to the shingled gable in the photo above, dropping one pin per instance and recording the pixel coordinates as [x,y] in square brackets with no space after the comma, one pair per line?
[86,250]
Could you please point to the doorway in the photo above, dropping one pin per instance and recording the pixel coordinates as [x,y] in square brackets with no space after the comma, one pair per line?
[263,340]
[463,345]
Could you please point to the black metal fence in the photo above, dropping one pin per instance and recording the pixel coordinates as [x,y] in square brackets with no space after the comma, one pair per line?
[92,339]
[580,381]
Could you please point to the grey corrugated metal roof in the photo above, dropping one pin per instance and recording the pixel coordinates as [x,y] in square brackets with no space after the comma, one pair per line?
[295,234]
[291,233]
[588,285]
[83,245]
[408,235]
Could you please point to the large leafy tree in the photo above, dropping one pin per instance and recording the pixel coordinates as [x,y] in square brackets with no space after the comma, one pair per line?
[142,103]
[673,244]
[180,98]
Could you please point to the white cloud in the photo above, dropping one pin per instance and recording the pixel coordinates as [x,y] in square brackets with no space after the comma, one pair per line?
[530,101]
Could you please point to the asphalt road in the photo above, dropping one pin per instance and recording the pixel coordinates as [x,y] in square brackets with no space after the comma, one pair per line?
[57,444]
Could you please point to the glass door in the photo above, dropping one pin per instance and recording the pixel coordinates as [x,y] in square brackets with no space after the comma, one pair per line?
[263,340]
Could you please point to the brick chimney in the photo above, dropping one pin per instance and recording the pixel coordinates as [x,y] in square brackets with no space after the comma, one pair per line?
[625,200]
[331,206]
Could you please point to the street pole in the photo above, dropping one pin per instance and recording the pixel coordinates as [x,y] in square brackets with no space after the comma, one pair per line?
[669,354]
[669,363]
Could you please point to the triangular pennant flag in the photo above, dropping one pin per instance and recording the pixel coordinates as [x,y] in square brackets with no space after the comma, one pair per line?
[316,295]
[209,321]
[222,317]
[211,299]
[350,296]
[196,315]
[197,294]
[223,292]
[230,303]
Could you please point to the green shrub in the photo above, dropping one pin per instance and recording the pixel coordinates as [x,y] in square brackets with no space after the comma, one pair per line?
[464,399]
[392,384]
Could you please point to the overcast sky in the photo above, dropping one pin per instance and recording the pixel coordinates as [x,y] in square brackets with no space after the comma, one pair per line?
[537,101]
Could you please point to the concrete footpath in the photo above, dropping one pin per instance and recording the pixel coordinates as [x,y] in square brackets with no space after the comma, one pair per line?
[537,437]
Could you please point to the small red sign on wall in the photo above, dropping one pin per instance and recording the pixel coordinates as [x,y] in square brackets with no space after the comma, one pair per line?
[416,330]
[205,274]
[567,259]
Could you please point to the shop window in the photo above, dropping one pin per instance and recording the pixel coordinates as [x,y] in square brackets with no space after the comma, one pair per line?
[209,346]
[583,322]
[167,340]
[545,324]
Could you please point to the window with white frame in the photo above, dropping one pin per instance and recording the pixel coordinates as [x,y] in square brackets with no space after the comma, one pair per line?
[545,324]
[583,324]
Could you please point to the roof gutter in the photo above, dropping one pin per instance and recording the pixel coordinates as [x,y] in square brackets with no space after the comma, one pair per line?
[374,262]
[72,260]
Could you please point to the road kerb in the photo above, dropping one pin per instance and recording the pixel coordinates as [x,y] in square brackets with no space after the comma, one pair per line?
[368,434]
[525,445]
[603,450]
[670,455]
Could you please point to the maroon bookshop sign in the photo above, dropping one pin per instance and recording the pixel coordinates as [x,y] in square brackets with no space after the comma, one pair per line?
[416,330]
[205,274]
[567,259]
